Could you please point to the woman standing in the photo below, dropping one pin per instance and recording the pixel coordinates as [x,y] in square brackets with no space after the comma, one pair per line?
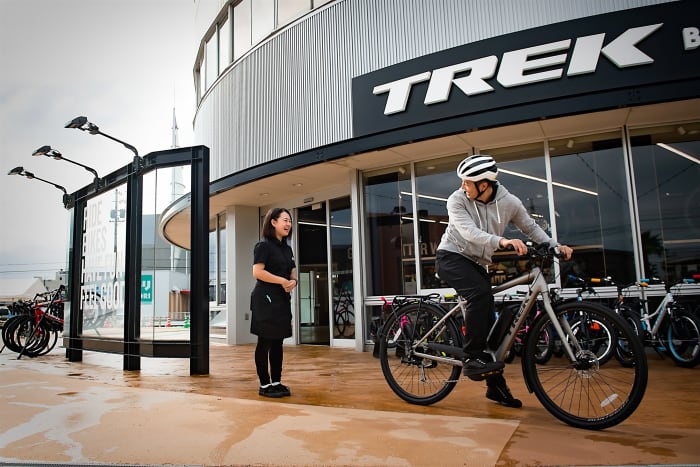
[270,301]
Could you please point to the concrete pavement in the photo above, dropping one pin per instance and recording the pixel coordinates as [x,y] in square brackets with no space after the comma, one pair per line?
[341,412]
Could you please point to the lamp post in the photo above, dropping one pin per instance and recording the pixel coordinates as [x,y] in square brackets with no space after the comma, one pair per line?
[24,173]
[82,123]
[54,154]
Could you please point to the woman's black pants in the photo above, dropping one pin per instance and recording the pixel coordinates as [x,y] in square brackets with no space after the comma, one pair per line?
[269,350]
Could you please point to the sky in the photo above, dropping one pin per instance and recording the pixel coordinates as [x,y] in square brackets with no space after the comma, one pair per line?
[124,64]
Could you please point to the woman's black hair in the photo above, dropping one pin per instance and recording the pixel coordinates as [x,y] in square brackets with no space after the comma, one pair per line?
[268,230]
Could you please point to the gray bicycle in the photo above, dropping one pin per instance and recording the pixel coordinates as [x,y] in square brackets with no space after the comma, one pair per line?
[422,360]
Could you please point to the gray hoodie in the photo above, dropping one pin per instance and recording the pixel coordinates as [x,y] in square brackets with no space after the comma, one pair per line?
[475,228]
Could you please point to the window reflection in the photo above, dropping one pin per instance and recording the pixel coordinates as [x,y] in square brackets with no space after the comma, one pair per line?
[103,264]
[389,214]
[341,269]
[666,170]
[592,207]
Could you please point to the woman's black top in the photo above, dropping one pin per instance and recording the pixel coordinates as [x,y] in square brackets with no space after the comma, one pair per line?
[269,303]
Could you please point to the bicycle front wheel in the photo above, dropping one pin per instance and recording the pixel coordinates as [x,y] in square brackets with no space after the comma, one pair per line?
[417,380]
[585,392]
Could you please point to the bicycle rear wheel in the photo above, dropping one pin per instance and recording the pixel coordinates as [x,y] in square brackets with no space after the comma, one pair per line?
[683,337]
[586,393]
[414,379]
[622,354]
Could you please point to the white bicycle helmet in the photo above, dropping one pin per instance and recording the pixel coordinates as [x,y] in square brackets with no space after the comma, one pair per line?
[477,167]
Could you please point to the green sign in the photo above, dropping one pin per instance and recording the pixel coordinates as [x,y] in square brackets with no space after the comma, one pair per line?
[146,288]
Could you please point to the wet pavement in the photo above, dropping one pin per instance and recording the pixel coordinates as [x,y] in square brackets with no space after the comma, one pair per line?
[341,412]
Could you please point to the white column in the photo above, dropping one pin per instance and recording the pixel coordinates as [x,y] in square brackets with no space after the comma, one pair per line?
[242,233]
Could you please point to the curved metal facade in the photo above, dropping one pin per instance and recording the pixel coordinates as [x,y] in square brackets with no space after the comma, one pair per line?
[292,93]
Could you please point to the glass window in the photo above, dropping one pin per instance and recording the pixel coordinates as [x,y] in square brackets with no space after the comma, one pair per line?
[592,206]
[666,164]
[241,29]
[288,10]
[389,232]
[341,269]
[263,19]
[103,268]
[435,181]
[221,266]
[211,62]
[224,45]
[165,273]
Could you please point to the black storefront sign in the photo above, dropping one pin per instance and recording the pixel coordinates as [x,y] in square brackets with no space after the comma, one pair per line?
[632,57]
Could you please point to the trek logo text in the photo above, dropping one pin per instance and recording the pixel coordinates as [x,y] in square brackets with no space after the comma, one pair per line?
[527,66]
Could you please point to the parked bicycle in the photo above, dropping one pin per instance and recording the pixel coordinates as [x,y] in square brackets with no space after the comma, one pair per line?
[575,388]
[670,329]
[343,313]
[34,328]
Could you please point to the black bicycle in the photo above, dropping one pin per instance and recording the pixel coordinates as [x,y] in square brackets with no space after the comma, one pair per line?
[421,351]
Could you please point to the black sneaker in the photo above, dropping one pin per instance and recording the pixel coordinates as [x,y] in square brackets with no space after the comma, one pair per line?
[481,366]
[500,393]
[282,389]
[270,391]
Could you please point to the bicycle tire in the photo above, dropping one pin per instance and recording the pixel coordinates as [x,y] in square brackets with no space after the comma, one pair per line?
[682,333]
[417,380]
[34,341]
[622,353]
[23,337]
[51,338]
[343,319]
[585,393]
[8,331]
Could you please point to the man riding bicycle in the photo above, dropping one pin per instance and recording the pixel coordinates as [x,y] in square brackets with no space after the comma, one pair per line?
[479,212]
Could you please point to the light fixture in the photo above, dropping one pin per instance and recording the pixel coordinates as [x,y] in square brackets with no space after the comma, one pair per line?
[570,144]
[24,173]
[679,152]
[82,123]
[681,130]
[297,185]
[54,154]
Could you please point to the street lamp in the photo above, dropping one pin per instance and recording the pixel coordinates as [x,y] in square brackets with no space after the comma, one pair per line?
[82,123]
[54,154]
[24,173]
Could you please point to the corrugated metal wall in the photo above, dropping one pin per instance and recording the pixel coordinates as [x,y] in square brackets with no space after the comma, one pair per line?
[293,93]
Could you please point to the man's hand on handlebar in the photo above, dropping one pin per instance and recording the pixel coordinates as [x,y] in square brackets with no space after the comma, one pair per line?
[521,249]
[515,244]
[565,251]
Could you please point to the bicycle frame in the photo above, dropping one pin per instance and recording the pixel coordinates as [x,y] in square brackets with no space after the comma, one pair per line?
[660,313]
[538,288]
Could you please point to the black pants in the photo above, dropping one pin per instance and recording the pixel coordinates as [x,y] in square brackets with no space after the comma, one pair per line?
[269,350]
[472,282]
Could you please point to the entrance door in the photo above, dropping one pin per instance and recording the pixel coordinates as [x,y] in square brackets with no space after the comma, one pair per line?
[312,270]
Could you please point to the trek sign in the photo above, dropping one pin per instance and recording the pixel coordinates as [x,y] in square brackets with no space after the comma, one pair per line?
[634,50]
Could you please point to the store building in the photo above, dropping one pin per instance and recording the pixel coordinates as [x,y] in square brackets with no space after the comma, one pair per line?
[355,113]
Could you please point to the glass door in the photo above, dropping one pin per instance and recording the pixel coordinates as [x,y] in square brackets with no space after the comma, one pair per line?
[312,270]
